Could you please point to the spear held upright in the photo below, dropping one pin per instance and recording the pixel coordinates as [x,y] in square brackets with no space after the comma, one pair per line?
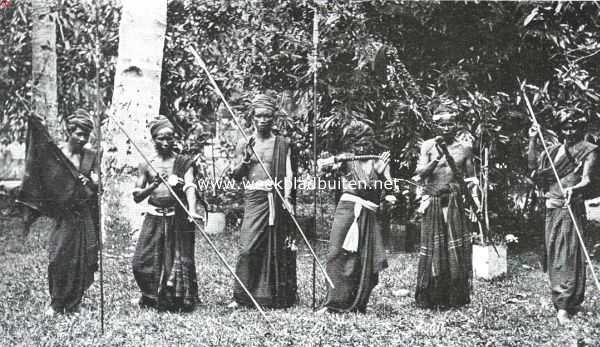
[560,186]
[239,126]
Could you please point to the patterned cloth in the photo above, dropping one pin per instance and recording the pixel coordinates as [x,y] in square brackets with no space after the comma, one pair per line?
[565,261]
[445,269]
[163,264]
[266,264]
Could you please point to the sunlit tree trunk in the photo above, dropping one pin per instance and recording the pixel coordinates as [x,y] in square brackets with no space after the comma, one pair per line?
[135,103]
[43,43]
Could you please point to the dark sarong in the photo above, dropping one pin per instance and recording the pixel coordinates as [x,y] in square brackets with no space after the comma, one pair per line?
[163,264]
[565,259]
[266,264]
[354,274]
[445,269]
[73,258]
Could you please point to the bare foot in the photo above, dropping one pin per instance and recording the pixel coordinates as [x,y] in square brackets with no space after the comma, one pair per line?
[50,312]
[323,311]
[233,305]
[563,317]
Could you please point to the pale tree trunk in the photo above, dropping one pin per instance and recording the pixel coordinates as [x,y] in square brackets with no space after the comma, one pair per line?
[43,42]
[136,101]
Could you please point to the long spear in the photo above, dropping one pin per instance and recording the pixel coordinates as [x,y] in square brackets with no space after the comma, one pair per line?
[187,211]
[239,126]
[560,186]
[315,113]
[99,165]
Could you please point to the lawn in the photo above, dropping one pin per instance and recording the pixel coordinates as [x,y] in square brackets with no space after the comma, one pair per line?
[514,311]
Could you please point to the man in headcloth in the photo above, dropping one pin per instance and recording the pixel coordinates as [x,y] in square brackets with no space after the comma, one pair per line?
[163,263]
[356,245]
[61,182]
[575,162]
[445,270]
[267,262]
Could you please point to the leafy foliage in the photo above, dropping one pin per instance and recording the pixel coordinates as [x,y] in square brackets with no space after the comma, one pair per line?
[475,53]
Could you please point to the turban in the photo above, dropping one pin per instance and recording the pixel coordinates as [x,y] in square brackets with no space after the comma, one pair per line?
[264,101]
[161,123]
[80,119]
[360,135]
[571,115]
[447,108]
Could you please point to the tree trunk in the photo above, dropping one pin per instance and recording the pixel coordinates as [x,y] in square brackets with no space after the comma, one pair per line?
[43,43]
[136,101]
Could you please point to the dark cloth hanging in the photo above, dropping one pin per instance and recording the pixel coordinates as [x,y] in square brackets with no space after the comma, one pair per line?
[267,264]
[50,187]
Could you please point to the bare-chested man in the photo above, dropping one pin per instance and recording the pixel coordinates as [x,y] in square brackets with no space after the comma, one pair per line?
[444,272]
[267,262]
[575,160]
[163,264]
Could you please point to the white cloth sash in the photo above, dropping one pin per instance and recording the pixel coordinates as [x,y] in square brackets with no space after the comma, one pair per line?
[266,186]
[351,240]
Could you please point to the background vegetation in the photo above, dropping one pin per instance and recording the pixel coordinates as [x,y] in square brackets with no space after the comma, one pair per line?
[471,52]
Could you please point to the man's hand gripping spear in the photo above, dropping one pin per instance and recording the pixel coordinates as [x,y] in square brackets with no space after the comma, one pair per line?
[247,138]
[538,129]
[200,228]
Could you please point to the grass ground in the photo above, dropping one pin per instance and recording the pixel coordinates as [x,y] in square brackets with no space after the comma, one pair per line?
[514,311]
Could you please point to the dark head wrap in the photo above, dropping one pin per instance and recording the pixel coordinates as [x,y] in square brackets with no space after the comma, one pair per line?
[447,108]
[264,101]
[160,123]
[80,119]
[360,139]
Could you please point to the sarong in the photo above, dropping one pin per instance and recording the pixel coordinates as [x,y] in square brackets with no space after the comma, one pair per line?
[565,259]
[73,257]
[163,263]
[354,274]
[445,269]
[266,265]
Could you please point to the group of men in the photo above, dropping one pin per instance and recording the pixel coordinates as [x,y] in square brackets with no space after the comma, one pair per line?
[164,265]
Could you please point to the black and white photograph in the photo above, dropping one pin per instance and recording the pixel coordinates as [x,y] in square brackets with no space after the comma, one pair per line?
[299,173]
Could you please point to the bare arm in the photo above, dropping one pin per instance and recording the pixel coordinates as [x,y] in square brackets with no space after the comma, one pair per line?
[586,177]
[243,154]
[469,168]
[533,149]
[142,188]
[425,165]
[190,192]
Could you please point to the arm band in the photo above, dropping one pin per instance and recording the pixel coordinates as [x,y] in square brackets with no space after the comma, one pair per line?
[188,186]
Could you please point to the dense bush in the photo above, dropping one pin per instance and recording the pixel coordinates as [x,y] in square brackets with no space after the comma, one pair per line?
[472,52]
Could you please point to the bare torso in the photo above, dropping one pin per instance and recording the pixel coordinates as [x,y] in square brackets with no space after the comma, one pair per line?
[161,196]
[74,158]
[442,174]
[264,150]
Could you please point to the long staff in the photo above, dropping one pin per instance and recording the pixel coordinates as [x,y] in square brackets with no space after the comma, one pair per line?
[239,126]
[200,227]
[560,186]
[99,165]
[315,114]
